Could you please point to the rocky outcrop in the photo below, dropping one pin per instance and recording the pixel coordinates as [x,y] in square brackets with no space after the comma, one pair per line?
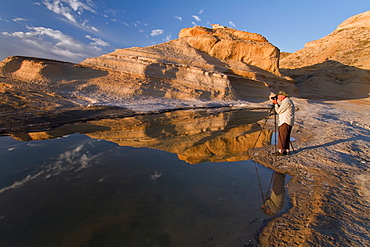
[216,64]
[230,44]
[173,69]
[338,62]
[203,64]
[348,44]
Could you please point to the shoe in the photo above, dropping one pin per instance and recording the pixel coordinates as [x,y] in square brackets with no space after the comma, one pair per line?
[278,154]
[286,153]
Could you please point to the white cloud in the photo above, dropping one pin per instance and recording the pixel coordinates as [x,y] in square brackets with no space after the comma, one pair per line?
[58,8]
[84,24]
[178,18]
[156,32]
[71,9]
[200,12]
[19,19]
[97,41]
[196,18]
[55,44]
[168,38]
[78,5]
[232,24]
[62,6]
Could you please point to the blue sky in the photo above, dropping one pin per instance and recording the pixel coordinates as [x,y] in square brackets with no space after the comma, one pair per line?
[73,30]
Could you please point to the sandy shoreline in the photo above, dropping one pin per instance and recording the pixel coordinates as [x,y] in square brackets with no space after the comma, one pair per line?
[331,167]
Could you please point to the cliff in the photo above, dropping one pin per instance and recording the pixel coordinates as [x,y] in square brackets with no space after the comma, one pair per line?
[233,45]
[335,66]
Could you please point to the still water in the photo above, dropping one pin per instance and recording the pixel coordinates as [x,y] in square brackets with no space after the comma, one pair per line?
[175,179]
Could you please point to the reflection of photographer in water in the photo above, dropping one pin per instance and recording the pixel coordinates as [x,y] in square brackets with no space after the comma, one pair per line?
[274,203]
[285,108]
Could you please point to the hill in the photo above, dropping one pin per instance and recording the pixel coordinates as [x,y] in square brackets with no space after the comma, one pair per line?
[335,66]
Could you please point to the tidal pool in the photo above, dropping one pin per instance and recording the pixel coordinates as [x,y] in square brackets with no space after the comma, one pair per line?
[175,179]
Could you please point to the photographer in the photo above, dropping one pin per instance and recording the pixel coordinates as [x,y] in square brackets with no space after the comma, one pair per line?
[284,106]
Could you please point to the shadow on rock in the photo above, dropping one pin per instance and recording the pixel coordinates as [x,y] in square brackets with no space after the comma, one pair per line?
[331,80]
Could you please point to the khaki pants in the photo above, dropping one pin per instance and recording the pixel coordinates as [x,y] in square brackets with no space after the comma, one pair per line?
[284,136]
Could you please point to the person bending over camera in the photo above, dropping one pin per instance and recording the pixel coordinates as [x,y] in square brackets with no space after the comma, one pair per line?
[284,106]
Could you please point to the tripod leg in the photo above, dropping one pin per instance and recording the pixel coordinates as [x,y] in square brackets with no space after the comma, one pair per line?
[276,133]
[291,144]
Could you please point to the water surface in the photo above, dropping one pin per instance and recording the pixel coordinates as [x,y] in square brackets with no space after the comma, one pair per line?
[181,181]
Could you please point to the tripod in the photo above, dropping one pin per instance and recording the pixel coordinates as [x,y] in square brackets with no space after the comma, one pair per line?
[275,158]
[264,124]
[275,131]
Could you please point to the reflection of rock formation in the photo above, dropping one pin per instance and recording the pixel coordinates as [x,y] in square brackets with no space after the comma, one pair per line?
[196,136]
[230,146]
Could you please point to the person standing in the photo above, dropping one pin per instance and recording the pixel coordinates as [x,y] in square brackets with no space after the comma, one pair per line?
[285,108]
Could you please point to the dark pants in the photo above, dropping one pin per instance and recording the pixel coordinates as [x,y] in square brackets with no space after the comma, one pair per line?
[284,136]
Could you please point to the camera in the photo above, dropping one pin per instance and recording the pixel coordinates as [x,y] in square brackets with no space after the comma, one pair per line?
[274,97]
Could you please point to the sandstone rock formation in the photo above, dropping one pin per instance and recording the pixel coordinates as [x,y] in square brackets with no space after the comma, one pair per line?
[171,70]
[206,64]
[348,44]
[230,44]
[338,62]
[211,64]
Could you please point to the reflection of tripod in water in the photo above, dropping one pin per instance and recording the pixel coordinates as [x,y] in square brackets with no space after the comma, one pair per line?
[273,203]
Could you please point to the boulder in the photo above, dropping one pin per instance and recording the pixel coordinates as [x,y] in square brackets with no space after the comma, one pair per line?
[231,44]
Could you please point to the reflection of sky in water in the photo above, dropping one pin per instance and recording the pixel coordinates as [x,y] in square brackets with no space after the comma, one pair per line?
[77,191]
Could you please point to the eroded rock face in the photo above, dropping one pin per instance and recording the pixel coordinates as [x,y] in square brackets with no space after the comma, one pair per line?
[230,44]
[210,64]
[348,44]
[178,70]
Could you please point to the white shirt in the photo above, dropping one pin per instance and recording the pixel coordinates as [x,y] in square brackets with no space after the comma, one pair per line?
[286,111]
